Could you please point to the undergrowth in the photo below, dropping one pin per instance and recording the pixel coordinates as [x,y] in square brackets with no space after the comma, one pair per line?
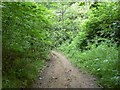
[22,74]
[102,61]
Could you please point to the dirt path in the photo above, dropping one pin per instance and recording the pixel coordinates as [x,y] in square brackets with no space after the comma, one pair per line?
[60,73]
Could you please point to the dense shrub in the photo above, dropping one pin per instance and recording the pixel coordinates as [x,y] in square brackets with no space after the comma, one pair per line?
[26,42]
[102,23]
[96,47]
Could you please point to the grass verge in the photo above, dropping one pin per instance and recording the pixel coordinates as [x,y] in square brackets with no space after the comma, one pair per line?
[100,61]
[22,74]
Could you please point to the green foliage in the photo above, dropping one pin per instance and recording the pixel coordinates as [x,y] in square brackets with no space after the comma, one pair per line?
[67,18]
[22,73]
[87,32]
[95,47]
[26,41]
[103,22]
[25,27]
[98,61]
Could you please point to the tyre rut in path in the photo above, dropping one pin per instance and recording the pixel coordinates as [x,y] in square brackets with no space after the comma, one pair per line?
[60,73]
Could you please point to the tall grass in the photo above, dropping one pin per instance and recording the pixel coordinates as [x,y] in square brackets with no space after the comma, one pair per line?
[101,61]
[23,73]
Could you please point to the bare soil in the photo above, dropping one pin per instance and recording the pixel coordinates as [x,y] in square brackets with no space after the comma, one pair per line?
[60,73]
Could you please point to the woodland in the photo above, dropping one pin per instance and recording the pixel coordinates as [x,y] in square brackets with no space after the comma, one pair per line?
[88,33]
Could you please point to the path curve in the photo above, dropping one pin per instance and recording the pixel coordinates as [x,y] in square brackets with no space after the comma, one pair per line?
[60,73]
